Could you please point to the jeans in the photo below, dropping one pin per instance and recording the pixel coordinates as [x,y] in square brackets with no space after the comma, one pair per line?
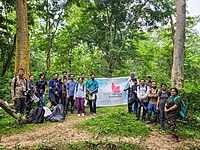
[20,105]
[80,105]
[92,104]
[144,105]
[42,99]
[152,107]
[70,100]
[54,99]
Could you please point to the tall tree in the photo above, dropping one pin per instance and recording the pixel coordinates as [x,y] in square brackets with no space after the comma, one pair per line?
[22,54]
[177,78]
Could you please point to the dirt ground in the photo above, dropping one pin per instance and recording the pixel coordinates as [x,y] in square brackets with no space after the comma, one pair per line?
[67,133]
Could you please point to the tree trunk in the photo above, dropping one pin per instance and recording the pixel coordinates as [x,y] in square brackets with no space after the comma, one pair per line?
[11,112]
[22,54]
[177,78]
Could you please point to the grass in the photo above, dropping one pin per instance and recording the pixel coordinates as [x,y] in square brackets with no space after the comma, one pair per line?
[184,130]
[87,145]
[116,123]
[9,125]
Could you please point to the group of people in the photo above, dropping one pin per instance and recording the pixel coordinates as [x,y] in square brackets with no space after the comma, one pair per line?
[63,91]
[163,103]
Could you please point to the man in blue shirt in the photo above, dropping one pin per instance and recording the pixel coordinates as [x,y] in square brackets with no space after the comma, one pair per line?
[70,87]
[55,88]
[92,89]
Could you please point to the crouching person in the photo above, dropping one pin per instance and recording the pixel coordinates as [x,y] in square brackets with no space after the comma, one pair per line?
[172,108]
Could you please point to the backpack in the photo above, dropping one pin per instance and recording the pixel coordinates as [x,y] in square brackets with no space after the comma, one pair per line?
[76,85]
[146,86]
[58,114]
[37,115]
[182,111]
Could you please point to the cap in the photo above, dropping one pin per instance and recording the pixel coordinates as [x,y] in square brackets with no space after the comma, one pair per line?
[149,76]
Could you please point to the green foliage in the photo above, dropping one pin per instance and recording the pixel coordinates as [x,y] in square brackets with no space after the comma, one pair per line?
[117,123]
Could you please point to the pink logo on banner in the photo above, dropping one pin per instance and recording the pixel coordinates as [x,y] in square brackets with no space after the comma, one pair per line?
[115,89]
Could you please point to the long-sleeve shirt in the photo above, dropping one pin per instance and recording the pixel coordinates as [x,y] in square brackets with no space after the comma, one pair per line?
[142,92]
[54,86]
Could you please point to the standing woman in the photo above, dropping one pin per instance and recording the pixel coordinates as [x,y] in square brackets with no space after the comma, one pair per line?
[172,107]
[163,95]
[79,95]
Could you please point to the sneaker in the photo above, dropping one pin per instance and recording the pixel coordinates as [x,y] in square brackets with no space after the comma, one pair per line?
[83,114]
[94,114]
[79,114]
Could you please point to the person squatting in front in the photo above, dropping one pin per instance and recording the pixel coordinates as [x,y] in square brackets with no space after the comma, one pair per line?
[92,89]
[172,107]
[55,88]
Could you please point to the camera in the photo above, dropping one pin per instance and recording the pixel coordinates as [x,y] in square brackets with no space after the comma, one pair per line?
[26,92]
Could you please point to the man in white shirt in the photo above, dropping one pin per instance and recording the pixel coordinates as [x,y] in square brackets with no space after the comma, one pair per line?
[142,93]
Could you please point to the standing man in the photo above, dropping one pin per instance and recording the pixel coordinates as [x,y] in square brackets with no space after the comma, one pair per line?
[19,87]
[70,87]
[153,96]
[149,82]
[92,89]
[41,87]
[142,92]
[63,82]
[129,86]
[55,88]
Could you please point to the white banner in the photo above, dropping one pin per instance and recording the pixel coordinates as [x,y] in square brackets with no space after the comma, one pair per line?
[111,91]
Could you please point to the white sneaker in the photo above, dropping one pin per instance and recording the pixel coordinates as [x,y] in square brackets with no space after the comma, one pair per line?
[79,114]
[94,114]
[83,114]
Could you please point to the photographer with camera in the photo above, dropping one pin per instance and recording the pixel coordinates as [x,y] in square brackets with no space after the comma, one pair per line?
[19,91]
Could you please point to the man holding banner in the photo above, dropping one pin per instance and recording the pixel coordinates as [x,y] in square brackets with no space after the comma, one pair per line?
[92,89]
